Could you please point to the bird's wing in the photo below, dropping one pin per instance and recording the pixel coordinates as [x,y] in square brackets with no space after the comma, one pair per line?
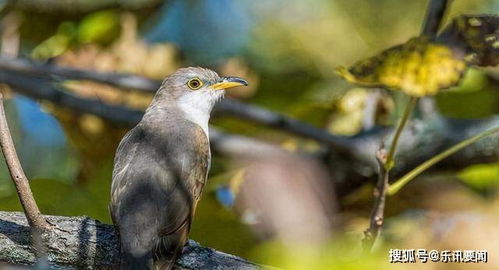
[194,173]
[147,184]
[124,155]
[199,172]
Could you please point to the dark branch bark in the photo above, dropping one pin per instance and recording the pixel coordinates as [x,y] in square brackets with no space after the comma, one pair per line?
[41,88]
[434,16]
[85,243]
[126,81]
[351,165]
[35,218]
[278,121]
[77,6]
[122,80]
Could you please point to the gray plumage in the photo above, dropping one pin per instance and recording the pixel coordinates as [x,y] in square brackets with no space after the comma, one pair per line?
[160,168]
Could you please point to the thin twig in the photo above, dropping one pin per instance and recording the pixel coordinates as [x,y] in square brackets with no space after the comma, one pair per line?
[377,212]
[385,164]
[393,189]
[33,215]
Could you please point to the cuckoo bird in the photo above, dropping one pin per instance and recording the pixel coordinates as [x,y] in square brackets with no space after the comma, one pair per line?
[161,166]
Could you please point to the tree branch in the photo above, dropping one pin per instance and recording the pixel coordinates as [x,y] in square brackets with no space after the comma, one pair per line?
[351,166]
[434,17]
[77,6]
[41,88]
[85,243]
[227,106]
[122,80]
[35,218]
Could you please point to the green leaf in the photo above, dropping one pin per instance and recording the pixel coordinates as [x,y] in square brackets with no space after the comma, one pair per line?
[481,176]
[99,27]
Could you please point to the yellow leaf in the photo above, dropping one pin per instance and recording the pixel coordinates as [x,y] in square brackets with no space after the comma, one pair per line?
[418,68]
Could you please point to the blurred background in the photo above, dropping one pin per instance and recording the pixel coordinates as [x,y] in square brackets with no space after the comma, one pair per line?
[265,208]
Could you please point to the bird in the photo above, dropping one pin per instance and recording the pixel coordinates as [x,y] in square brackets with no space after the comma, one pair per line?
[161,166]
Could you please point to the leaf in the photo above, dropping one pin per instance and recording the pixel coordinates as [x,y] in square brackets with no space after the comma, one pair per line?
[481,176]
[101,27]
[56,44]
[419,67]
[475,38]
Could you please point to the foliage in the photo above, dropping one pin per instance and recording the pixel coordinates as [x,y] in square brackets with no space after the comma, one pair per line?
[289,56]
[418,68]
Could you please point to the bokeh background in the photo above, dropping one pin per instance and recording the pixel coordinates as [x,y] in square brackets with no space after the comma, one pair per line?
[287,50]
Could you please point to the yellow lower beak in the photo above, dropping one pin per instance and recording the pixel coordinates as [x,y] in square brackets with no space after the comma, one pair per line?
[228,82]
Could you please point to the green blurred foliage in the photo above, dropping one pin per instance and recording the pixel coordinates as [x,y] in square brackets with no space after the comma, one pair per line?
[482,177]
[294,49]
[99,27]
[343,253]
[475,97]
[56,44]
[56,197]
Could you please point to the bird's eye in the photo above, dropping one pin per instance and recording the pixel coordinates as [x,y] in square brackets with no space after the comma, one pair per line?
[194,84]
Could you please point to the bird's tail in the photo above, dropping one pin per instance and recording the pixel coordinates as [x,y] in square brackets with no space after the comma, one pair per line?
[133,262]
[170,247]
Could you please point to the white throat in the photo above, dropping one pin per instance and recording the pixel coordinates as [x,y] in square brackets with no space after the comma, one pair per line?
[197,108]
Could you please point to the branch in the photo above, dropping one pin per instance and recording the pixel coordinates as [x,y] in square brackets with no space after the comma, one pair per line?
[41,88]
[376,219]
[426,165]
[434,17]
[385,165]
[77,6]
[85,243]
[236,145]
[278,121]
[35,218]
[127,81]
[421,140]
[351,166]
[122,80]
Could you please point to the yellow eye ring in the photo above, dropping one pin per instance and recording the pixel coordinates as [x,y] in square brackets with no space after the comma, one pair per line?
[194,84]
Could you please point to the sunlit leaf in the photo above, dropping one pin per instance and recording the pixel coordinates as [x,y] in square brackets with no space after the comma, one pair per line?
[418,67]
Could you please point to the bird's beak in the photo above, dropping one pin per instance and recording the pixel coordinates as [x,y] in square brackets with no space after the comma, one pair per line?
[228,82]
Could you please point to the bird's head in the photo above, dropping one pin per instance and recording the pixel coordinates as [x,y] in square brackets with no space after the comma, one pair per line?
[195,91]
[197,86]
